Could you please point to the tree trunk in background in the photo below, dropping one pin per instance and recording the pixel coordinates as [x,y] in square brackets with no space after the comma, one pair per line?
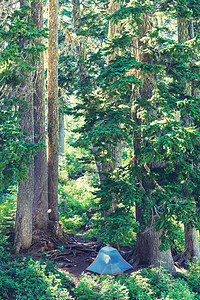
[40,200]
[61,133]
[116,150]
[79,43]
[191,234]
[53,117]
[23,223]
[191,241]
[148,239]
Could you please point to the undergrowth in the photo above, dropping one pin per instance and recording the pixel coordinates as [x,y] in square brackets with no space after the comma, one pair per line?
[146,284]
[25,278]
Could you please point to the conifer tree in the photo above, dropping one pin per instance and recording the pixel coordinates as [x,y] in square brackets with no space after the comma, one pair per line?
[185,33]
[148,239]
[22,70]
[114,161]
[53,116]
[146,78]
[23,222]
[40,201]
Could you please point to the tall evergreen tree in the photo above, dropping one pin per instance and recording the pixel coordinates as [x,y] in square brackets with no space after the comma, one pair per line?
[148,239]
[53,116]
[23,74]
[23,222]
[40,201]
[145,78]
[185,33]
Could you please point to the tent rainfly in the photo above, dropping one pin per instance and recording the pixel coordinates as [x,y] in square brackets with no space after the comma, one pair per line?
[109,261]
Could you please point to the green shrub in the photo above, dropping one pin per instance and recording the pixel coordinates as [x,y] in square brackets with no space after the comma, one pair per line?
[178,289]
[112,290]
[7,212]
[88,288]
[165,286]
[193,277]
[75,223]
[138,287]
[25,278]
[76,203]
[101,288]
[29,279]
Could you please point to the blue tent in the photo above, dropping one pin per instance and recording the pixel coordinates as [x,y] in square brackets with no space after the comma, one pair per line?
[109,261]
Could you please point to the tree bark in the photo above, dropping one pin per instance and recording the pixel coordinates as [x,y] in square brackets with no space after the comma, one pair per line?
[23,220]
[40,200]
[53,118]
[148,242]
[61,133]
[23,223]
[191,241]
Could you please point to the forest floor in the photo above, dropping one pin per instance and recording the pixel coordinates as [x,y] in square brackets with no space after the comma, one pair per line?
[72,255]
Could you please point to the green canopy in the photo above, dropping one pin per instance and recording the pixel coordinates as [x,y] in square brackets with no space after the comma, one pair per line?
[109,261]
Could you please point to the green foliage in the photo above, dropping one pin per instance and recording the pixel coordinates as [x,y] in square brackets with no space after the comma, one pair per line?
[29,279]
[7,212]
[165,286]
[76,166]
[23,277]
[76,202]
[118,227]
[146,284]
[18,52]
[104,287]
[192,277]
[113,89]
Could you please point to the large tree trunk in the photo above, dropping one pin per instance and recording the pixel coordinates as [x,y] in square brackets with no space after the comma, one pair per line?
[23,223]
[148,242]
[191,235]
[40,200]
[147,247]
[53,146]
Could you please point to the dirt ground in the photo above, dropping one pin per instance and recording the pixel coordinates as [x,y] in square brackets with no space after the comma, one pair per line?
[72,255]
